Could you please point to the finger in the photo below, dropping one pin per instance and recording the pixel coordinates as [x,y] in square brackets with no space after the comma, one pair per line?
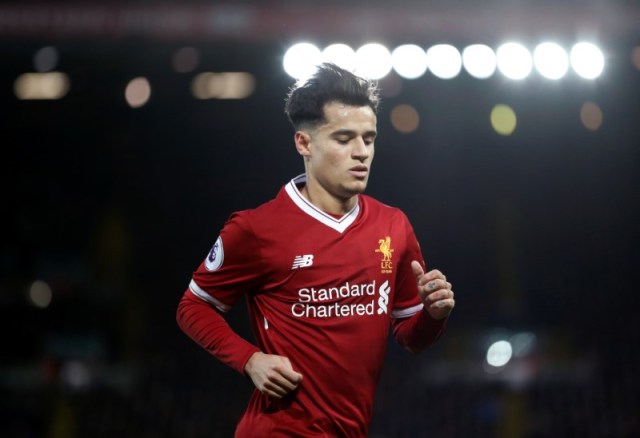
[288,372]
[437,284]
[275,391]
[278,386]
[441,304]
[435,274]
[292,377]
[442,294]
[416,267]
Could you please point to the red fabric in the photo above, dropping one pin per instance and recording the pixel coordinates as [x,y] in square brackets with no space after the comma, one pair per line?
[418,332]
[206,327]
[321,291]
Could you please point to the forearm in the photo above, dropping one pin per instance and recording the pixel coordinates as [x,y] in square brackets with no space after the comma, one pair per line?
[419,331]
[209,329]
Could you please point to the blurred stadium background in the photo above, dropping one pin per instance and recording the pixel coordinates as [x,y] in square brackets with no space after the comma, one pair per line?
[126,142]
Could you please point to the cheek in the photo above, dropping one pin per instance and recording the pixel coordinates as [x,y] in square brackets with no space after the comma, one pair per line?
[335,158]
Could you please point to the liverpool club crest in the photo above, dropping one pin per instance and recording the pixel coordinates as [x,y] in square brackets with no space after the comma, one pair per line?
[386,265]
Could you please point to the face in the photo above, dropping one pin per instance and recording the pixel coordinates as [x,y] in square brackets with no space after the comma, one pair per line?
[339,153]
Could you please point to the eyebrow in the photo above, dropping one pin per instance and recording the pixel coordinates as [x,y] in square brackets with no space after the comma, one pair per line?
[351,133]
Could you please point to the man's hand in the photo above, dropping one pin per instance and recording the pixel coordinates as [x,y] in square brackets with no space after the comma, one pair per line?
[435,292]
[272,375]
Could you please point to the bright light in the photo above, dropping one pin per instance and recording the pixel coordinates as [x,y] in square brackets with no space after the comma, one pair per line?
[138,92]
[444,61]
[587,60]
[591,116]
[40,294]
[405,118]
[41,86]
[226,85]
[499,354]
[503,119]
[479,61]
[373,61]
[301,60]
[551,60]
[409,61]
[514,61]
[341,55]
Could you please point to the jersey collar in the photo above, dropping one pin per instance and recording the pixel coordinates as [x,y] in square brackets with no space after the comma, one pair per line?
[339,225]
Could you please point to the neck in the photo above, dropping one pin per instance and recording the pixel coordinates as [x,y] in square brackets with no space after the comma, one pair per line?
[327,203]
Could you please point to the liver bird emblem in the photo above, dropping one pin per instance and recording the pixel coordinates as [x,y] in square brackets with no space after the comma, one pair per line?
[385,248]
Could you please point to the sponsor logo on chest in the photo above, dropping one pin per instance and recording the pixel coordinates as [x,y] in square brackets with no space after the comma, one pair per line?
[329,302]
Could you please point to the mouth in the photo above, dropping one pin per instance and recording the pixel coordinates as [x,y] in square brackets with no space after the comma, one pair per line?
[359,171]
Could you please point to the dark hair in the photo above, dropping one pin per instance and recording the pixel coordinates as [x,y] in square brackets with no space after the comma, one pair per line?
[305,102]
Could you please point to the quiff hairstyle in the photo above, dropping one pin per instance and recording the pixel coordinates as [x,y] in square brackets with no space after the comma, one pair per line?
[304,105]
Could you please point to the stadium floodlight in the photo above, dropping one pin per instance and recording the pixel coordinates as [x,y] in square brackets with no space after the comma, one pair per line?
[373,61]
[551,60]
[499,353]
[41,86]
[587,60]
[301,60]
[444,61]
[514,61]
[409,61]
[40,294]
[503,119]
[340,54]
[479,61]
[591,116]
[137,92]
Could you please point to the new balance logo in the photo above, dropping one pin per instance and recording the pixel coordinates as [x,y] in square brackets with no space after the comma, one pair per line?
[302,261]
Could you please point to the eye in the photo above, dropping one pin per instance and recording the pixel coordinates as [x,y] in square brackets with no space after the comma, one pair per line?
[342,140]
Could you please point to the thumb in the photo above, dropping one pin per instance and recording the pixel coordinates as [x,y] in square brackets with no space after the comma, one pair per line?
[290,374]
[416,267]
[294,377]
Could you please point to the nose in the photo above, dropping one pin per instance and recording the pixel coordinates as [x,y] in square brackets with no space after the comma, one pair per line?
[360,149]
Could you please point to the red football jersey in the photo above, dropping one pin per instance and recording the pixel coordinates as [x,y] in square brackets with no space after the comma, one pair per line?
[321,291]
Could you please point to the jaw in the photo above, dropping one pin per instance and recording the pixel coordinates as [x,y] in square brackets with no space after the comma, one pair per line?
[335,191]
[354,186]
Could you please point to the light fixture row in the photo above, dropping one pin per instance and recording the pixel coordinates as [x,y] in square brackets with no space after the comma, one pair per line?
[410,61]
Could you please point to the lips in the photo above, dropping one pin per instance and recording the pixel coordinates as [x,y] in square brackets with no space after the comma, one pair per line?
[359,171]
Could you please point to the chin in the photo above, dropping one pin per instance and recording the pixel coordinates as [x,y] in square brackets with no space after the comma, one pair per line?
[356,188]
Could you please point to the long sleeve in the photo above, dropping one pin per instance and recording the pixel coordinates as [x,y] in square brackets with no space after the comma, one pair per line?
[419,331]
[210,330]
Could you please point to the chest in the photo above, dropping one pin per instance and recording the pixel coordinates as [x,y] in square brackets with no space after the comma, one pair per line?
[321,257]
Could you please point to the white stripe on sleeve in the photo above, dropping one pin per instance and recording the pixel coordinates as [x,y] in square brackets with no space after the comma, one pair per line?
[405,313]
[200,293]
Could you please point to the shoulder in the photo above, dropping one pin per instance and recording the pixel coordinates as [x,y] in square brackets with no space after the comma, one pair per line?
[374,206]
[254,218]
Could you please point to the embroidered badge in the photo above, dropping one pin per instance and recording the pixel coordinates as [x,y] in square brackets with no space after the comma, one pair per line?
[386,265]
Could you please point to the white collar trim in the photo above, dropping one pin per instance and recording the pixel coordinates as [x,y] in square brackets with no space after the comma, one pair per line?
[337,224]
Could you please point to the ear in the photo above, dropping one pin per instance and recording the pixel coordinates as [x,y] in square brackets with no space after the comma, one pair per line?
[303,143]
